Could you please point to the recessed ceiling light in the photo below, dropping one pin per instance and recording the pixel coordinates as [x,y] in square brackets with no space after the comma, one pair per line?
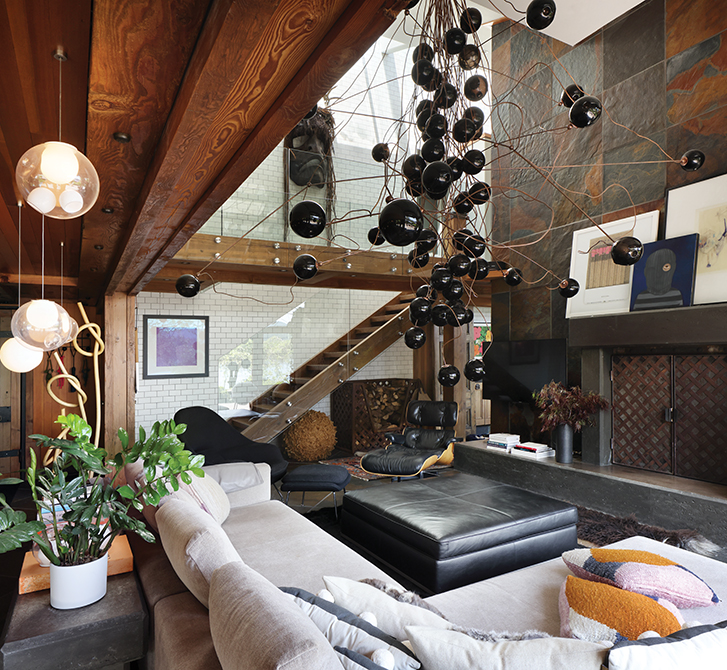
[107,210]
[98,246]
[123,138]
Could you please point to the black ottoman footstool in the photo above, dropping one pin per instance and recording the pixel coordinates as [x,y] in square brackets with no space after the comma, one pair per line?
[445,532]
[316,477]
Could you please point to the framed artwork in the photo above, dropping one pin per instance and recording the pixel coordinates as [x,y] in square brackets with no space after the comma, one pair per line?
[664,277]
[605,286]
[702,208]
[176,346]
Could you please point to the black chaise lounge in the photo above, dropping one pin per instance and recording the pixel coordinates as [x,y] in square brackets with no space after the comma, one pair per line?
[210,435]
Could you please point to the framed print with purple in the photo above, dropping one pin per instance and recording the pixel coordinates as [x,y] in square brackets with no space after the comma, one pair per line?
[176,346]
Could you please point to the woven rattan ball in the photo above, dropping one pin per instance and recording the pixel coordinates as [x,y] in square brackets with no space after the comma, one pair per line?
[311,438]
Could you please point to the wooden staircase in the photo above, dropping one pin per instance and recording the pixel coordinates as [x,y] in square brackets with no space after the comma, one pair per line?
[281,405]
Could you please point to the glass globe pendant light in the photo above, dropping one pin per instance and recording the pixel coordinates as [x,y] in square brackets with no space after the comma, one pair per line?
[55,178]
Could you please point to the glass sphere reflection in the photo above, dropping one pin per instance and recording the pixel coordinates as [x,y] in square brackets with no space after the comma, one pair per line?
[42,324]
[18,357]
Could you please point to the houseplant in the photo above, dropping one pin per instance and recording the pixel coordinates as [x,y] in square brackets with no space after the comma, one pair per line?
[82,505]
[566,410]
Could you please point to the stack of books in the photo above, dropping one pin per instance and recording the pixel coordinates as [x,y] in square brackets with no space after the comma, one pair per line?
[502,441]
[533,450]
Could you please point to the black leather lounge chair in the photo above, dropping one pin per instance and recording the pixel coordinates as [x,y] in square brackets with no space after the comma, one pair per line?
[209,434]
[427,440]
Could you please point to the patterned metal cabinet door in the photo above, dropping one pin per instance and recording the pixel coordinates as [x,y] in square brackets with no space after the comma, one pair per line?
[701,420]
[641,393]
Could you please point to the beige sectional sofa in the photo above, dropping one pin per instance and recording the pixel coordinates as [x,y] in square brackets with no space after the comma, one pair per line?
[210,586]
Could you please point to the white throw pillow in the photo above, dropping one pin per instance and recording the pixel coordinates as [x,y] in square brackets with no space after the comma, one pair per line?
[392,616]
[449,650]
[234,476]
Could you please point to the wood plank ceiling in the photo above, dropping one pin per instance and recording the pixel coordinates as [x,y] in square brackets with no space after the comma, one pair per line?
[204,90]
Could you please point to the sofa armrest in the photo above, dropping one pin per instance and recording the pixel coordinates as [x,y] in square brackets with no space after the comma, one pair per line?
[244,483]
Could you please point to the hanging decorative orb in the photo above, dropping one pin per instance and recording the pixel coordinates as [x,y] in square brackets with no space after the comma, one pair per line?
[627,251]
[401,222]
[305,267]
[433,150]
[57,180]
[42,324]
[375,237]
[448,375]
[464,130]
[473,161]
[475,88]
[417,259]
[380,152]
[413,166]
[415,337]
[434,83]
[475,246]
[426,241]
[426,291]
[423,118]
[422,72]
[440,278]
[460,237]
[459,265]
[474,370]
[422,51]
[692,160]
[462,203]
[469,316]
[414,189]
[513,277]
[585,111]
[456,313]
[478,269]
[470,20]
[474,114]
[455,164]
[571,94]
[480,192]
[439,314]
[437,178]
[313,111]
[454,41]
[436,126]
[540,14]
[424,105]
[420,311]
[187,286]
[445,96]
[17,356]
[455,290]
[568,287]
[470,57]
[307,219]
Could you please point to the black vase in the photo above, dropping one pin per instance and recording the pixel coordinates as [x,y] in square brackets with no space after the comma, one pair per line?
[564,443]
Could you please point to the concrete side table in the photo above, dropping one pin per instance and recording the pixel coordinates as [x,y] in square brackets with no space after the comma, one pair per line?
[107,634]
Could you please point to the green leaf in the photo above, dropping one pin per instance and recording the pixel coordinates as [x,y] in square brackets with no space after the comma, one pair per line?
[186,478]
[11,480]
[126,491]
[14,537]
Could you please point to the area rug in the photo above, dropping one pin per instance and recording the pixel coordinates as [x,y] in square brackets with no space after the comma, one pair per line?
[351,463]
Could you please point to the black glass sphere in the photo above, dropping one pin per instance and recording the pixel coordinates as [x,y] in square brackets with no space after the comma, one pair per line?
[469,316]
[439,314]
[413,166]
[571,94]
[423,119]
[448,375]
[474,114]
[434,83]
[436,178]
[445,96]
[415,337]
[469,58]
[455,165]
[426,241]
[460,237]
[475,246]
[540,14]
[475,88]
[422,72]
[418,259]
[513,277]
[424,105]
[692,160]
[375,236]
[420,311]
[307,219]
[454,41]
[627,251]
[440,278]
[462,203]
[568,287]
[459,264]
[474,370]
[313,111]
[478,269]
[305,267]
[426,291]
[455,290]
[422,51]
[400,222]
[456,314]
[414,189]
[433,150]
[470,20]
[464,130]
[380,152]
[187,286]
[585,111]
[480,192]
[473,161]
[436,126]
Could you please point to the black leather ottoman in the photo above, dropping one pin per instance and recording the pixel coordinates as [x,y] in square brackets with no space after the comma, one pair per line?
[445,532]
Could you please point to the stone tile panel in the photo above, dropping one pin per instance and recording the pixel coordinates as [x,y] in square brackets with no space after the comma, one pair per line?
[689,22]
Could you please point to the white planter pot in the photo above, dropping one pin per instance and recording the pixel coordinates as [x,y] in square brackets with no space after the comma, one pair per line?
[74,586]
